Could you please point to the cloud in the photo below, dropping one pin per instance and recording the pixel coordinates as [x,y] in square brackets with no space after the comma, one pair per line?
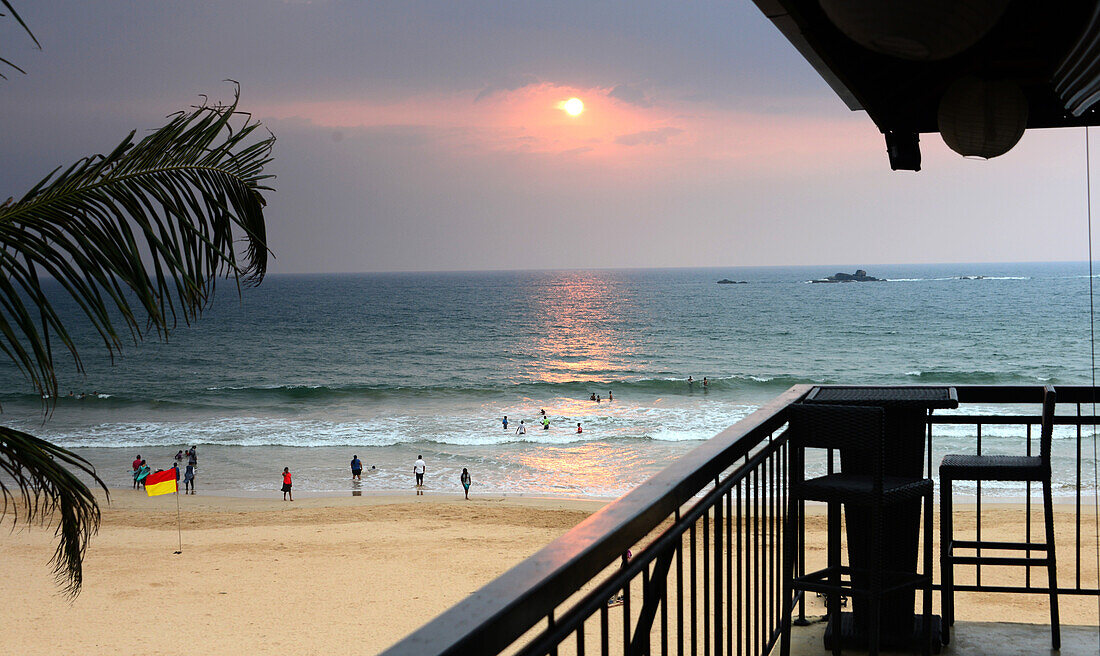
[657,137]
[510,83]
[629,94]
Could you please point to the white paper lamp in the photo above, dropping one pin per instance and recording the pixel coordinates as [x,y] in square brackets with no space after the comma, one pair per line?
[982,118]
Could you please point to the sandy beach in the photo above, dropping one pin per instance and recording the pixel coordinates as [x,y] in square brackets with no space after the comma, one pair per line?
[325,574]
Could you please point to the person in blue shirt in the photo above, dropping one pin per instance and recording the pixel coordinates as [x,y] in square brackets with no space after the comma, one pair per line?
[189,480]
[505,422]
[356,468]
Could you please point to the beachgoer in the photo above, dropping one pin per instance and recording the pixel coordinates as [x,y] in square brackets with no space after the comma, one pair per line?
[609,397]
[521,429]
[287,484]
[505,422]
[597,398]
[704,381]
[542,412]
[579,430]
[193,456]
[418,470]
[176,466]
[356,468]
[189,479]
[179,455]
[615,600]
[137,465]
[691,381]
[465,479]
[545,423]
[593,397]
[142,473]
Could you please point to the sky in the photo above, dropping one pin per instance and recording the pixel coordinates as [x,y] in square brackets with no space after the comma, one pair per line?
[428,135]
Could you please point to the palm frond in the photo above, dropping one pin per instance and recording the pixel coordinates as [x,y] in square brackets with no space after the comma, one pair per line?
[136,237]
[19,19]
[47,488]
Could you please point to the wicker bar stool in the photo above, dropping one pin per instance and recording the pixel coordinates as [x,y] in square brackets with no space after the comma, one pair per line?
[859,429]
[999,468]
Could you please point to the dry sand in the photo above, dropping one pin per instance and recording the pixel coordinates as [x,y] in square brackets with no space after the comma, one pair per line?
[329,575]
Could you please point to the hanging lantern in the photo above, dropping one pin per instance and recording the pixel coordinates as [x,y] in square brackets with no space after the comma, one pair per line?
[919,30]
[982,118]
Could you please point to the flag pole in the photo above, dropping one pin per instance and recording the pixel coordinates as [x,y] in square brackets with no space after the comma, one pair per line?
[179,525]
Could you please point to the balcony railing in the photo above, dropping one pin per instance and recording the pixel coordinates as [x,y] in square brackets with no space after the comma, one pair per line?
[707,537]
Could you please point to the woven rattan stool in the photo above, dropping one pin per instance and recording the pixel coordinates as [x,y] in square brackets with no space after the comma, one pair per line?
[999,468]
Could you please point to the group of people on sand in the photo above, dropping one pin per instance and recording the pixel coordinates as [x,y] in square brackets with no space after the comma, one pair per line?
[141,470]
[420,468]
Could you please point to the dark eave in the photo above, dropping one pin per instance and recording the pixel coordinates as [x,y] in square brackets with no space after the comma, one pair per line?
[1028,44]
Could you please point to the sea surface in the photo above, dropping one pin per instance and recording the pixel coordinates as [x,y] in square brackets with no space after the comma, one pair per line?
[305,371]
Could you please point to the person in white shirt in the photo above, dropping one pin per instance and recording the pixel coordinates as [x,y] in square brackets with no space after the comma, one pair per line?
[418,470]
[521,429]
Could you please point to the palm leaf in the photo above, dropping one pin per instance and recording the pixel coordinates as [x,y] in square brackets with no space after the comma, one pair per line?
[19,19]
[137,239]
[46,485]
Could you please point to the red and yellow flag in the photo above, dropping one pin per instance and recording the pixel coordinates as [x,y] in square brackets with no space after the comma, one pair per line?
[162,482]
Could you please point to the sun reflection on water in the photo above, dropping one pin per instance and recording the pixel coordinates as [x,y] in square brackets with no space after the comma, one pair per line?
[577,330]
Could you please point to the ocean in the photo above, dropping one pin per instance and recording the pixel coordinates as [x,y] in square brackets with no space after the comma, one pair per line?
[305,371]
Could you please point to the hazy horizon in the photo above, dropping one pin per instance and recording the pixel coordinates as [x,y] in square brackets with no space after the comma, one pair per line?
[833,267]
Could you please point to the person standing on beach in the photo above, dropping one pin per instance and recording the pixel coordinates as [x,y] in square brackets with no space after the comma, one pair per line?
[418,470]
[465,479]
[521,429]
[189,479]
[356,468]
[505,422]
[176,466]
[137,465]
[286,484]
[193,455]
[142,473]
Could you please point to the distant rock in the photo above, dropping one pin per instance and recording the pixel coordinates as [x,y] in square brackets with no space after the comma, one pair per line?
[859,276]
[727,281]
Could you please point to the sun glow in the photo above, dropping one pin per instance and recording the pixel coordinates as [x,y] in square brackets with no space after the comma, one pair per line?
[573,106]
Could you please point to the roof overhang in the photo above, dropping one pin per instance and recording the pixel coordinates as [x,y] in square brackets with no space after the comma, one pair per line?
[1050,49]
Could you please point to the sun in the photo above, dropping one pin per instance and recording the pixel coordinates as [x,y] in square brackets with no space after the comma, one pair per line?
[573,106]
